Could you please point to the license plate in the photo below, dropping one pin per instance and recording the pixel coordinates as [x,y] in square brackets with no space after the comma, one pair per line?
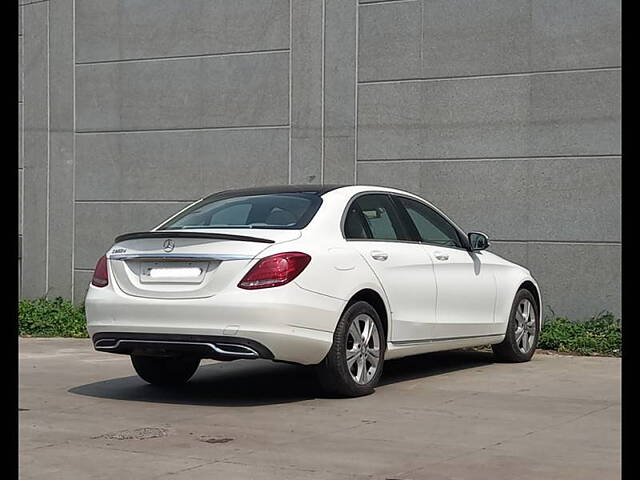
[178,272]
[185,272]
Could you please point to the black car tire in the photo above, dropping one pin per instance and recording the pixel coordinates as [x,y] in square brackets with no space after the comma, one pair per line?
[333,373]
[165,371]
[510,349]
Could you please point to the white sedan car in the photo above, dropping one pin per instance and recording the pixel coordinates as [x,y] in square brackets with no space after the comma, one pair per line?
[341,277]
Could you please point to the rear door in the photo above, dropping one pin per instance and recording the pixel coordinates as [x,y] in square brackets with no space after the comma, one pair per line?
[466,284]
[405,270]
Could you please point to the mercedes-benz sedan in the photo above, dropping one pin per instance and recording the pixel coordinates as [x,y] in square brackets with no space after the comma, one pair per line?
[341,277]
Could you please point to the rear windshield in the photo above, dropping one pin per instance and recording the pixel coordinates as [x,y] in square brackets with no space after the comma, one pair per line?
[281,211]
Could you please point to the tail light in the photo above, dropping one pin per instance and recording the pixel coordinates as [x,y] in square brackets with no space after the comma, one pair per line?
[101,274]
[275,270]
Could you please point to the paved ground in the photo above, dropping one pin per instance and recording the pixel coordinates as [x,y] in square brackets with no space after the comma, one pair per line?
[455,415]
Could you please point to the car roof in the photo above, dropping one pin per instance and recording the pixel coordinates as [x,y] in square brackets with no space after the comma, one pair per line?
[315,189]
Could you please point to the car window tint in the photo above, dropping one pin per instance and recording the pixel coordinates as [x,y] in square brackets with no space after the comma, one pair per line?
[278,210]
[354,226]
[378,213]
[431,226]
[232,215]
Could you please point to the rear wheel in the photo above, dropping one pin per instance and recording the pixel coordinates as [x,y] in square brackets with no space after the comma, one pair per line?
[521,338]
[165,371]
[353,366]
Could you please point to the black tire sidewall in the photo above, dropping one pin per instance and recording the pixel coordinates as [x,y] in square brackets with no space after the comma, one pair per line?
[508,349]
[334,369]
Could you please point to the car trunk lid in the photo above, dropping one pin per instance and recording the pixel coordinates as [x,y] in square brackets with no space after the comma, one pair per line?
[187,264]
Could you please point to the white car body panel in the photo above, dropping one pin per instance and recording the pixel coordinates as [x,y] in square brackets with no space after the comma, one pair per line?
[409,282]
[430,304]
[297,327]
[463,275]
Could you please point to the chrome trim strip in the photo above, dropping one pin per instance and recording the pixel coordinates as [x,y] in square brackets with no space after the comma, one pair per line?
[449,339]
[179,257]
[250,352]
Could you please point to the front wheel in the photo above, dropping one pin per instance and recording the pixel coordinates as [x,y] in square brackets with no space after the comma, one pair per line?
[523,328]
[353,366]
[165,371]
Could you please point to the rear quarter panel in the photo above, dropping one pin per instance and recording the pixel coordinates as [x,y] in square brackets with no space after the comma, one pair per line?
[335,270]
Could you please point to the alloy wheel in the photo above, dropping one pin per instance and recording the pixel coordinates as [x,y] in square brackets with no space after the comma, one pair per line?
[525,326]
[363,349]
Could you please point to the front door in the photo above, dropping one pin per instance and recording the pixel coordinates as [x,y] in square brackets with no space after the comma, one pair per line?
[466,285]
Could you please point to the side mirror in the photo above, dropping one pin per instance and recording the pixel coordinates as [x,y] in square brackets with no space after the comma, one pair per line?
[478,241]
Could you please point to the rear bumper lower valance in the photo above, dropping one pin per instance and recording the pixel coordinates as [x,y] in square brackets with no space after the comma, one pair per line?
[201,346]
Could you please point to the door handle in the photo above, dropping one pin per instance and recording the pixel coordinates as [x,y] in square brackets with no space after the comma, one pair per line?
[441,255]
[378,255]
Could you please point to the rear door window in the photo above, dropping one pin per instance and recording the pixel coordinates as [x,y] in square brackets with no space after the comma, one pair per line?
[373,215]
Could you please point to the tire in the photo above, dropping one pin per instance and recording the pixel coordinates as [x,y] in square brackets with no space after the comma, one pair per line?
[335,375]
[517,346]
[165,371]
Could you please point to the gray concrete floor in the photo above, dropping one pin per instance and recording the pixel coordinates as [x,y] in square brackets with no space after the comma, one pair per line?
[455,415]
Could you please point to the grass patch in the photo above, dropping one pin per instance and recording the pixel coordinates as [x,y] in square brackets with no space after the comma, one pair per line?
[55,317]
[600,335]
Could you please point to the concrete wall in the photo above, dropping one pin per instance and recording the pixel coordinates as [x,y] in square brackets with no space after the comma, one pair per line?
[505,113]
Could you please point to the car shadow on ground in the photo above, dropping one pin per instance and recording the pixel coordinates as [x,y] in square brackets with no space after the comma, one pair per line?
[262,382]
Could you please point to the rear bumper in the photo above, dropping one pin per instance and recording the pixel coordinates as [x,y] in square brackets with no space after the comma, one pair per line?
[201,346]
[284,323]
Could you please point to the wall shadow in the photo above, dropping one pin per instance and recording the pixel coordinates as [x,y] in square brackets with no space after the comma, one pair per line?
[262,382]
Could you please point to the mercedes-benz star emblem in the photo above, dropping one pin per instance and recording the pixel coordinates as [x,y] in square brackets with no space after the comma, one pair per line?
[168,245]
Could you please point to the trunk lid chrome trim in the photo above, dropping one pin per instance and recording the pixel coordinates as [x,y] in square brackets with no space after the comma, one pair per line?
[179,257]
